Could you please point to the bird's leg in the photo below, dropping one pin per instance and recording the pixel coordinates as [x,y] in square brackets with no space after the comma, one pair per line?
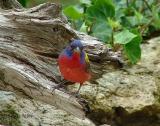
[76,94]
[80,85]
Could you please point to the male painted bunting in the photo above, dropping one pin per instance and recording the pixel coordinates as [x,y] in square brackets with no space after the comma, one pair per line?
[74,63]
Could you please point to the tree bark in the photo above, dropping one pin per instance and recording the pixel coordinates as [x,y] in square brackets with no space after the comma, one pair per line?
[30,41]
[10,4]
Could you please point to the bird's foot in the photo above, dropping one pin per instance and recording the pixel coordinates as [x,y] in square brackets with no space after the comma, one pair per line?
[83,102]
[75,94]
[85,105]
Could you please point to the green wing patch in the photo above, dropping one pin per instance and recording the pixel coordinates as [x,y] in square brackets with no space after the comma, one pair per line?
[87,63]
[86,58]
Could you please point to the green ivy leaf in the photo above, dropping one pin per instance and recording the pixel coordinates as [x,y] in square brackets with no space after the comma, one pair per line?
[102,30]
[83,28]
[93,1]
[88,2]
[137,19]
[72,12]
[101,10]
[156,17]
[97,16]
[124,37]
[132,49]
[23,2]
[114,24]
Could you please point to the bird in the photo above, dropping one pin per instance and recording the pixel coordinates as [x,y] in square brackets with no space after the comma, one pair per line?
[74,64]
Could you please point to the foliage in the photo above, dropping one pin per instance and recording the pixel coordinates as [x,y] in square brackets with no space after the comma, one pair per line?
[30,3]
[23,2]
[9,116]
[118,23]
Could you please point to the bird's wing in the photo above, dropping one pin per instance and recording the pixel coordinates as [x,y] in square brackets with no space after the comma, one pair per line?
[87,62]
[86,58]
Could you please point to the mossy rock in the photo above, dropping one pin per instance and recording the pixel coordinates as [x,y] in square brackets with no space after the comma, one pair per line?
[8,116]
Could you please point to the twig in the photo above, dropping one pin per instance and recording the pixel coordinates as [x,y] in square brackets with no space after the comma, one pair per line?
[127,3]
[148,6]
[144,27]
[112,38]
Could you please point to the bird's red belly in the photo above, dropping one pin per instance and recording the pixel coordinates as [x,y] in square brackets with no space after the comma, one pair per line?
[73,70]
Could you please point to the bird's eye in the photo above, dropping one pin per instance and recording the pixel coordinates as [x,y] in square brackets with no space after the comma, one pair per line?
[72,46]
[82,48]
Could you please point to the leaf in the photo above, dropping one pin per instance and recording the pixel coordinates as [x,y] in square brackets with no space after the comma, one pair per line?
[156,17]
[137,19]
[101,10]
[97,16]
[83,28]
[93,1]
[124,37]
[102,31]
[114,24]
[88,2]
[23,2]
[132,49]
[72,12]
[139,16]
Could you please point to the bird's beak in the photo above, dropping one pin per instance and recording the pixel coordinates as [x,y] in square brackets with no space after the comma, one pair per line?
[77,50]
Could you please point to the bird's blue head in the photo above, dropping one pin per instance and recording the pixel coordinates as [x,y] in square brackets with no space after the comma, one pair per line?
[75,47]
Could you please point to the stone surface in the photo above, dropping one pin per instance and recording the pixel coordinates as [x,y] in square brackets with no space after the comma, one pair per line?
[129,94]
[16,111]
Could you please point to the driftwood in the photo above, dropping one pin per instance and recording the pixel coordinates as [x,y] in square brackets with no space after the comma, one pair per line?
[30,41]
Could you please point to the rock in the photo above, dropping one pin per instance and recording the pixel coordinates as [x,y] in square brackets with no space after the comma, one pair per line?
[8,114]
[104,125]
[130,96]
[16,111]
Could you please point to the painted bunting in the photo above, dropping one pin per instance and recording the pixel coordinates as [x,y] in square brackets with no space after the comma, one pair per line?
[74,63]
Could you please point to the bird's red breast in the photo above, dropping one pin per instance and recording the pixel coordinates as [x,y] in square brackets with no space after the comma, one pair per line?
[72,69]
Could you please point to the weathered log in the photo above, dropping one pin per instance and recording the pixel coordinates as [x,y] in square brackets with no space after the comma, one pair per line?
[30,41]
[10,4]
